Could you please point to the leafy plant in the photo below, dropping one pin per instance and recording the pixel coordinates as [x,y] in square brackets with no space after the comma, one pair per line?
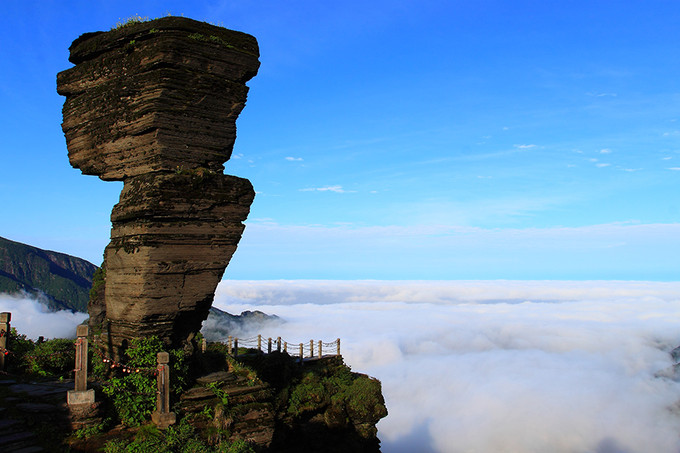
[357,395]
[89,431]
[52,358]
[18,346]
[133,390]
[180,438]
[208,412]
[136,19]
[307,395]
[220,393]
[240,369]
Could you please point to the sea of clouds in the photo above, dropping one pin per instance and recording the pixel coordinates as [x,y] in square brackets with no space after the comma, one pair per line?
[498,366]
[32,318]
[479,366]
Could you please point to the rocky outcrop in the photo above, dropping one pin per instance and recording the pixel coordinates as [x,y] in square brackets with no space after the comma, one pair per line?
[279,405]
[220,324]
[154,105]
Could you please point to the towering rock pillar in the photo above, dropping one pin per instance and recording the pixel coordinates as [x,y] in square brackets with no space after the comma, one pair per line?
[154,105]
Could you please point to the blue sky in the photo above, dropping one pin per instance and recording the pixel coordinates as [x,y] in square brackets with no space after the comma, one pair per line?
[398,139]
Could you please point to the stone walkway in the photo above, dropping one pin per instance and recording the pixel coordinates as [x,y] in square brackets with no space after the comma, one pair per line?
[39,403]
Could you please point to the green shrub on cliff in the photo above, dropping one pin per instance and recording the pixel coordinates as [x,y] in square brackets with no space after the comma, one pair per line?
[133,389]
[52,358]
[180,438]
[18,347]
[49,358]
[135,19]
[357,396]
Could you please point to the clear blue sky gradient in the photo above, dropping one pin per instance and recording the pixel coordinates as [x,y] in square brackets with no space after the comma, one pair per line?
[397,139]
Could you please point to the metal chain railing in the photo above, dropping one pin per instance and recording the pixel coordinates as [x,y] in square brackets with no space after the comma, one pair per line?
[310,350]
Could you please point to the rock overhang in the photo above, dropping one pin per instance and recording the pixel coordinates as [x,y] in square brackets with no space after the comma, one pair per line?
[154,104]
[161,82]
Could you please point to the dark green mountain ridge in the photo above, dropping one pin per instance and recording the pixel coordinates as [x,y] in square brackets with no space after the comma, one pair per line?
[63,280]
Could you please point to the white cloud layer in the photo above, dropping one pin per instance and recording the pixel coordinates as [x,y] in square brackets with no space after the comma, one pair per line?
[33,319]
[502,366]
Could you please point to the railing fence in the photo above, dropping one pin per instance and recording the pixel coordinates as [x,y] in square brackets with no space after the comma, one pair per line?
[162,417]
[239,346]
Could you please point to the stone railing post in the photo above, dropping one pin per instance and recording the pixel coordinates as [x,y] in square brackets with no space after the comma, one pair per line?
[236,347]
[162,417]
[229,340]
[338,341]
[302,353]
[204,344]
[5,317]
[259,342]
[81,358]
[311,348]
[278,344]
[285,347]
[81,395]
[269,346]
[320,349]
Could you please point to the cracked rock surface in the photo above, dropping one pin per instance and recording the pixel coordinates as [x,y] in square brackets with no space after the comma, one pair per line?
[154,105]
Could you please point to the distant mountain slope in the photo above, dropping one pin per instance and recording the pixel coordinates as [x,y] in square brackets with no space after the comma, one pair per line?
[65,283]
[65,280]
[221,324]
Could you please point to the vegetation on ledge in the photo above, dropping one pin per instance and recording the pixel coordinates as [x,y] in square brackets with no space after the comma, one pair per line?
[254,403]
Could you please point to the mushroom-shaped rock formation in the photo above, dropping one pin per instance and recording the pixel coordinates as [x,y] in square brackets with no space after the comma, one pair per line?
[154,104]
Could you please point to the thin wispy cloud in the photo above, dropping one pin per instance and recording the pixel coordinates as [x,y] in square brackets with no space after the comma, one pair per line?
[674,168]
[438,251]
[336,189]
[524,146]
[294,159]
[601,95]
[602,165]
[605,151]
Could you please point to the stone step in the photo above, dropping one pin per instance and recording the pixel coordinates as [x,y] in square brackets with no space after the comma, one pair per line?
[197,393]
[31,449]
[15,440]
[202,393]
[38,408]
[37,390]
[218,376]
[242,390]
[7,423]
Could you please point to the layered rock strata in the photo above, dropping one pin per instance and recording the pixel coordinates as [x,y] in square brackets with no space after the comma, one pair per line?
[279,405]
[154,105]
